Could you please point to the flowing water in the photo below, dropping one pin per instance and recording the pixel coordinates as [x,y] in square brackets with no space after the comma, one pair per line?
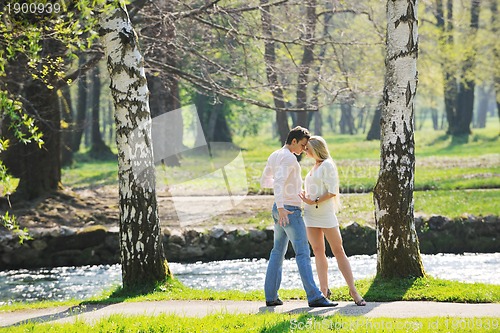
[83,282]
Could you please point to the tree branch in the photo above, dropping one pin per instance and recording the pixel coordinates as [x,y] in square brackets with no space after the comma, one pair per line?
[195,11]
[259,7]
[80,71]
[210,85]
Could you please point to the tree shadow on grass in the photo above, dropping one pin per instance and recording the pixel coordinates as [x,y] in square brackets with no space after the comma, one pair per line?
[97,180]
[65,313]
[118,296]
[388,290]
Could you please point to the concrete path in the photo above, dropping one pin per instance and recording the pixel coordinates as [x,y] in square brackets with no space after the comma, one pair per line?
[92,313]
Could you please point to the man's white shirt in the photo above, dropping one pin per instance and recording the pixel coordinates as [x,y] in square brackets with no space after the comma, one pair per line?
[283,174]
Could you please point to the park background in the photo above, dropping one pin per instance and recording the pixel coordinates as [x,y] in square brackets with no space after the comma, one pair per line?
[211,59]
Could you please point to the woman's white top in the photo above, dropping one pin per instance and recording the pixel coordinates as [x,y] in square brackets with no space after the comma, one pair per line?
[318,182]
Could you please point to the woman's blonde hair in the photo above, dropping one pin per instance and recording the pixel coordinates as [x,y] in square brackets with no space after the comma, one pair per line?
[320,150]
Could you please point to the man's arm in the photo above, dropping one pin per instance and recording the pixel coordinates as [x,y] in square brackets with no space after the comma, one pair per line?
[267,180]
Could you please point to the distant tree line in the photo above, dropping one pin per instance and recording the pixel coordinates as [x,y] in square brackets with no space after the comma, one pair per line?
[314,63]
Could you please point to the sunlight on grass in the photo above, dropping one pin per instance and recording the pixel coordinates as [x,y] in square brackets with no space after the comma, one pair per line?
[439,163]
[266,322]
[372,289]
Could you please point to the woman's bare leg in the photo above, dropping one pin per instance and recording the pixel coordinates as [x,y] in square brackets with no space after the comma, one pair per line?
[317,240]
[334,238]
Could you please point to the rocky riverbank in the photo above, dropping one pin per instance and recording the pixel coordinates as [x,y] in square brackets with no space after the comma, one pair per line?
[72,228]
[98,244]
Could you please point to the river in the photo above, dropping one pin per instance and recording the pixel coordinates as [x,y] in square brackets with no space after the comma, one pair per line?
[62,283]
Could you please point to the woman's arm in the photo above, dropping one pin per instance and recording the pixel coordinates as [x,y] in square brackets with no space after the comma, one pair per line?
[317,200]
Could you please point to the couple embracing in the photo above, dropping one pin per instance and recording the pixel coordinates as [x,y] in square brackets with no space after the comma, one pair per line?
[321,199]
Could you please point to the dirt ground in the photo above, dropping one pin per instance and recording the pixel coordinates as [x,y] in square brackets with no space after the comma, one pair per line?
[99,206]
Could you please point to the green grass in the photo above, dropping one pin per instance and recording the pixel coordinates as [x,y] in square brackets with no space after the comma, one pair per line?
[421,289]
[425,289]
[443,171]
[440,164]
[458,203]
[86,173]
[481,142]
[372,289]
[266,322]
[453,204]
[359,208]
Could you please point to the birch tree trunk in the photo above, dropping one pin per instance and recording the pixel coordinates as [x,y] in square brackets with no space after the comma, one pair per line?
[398,253]
[141,251]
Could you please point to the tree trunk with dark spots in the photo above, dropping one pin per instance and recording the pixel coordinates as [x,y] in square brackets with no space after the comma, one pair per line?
[398,253]
[141,251]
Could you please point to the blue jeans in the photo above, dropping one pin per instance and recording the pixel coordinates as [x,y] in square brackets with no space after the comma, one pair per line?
[295,231]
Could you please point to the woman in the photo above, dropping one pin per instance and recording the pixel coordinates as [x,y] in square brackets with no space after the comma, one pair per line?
[321,196]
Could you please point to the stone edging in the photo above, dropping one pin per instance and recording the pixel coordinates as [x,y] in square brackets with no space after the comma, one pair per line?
[99,245]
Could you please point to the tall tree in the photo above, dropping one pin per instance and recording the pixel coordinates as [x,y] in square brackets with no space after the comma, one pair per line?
[467,84]
[36,67]
[271,71]
[496,52]
[316,115]
[67,129]
[483,95]
[157,40]
[459,80]
[374,131]
[41,102]
[306,62]
[81,108]
[141,251]
[346,118]
[398,253]
[21,158]
[446,40]
[98,148]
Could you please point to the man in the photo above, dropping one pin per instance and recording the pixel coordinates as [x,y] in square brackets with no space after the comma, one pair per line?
[282,173]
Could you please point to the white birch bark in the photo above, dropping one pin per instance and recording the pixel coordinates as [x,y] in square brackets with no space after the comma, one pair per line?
[142,257]
[398,253]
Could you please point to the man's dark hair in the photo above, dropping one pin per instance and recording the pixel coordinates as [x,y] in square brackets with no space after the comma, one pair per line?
[297,133]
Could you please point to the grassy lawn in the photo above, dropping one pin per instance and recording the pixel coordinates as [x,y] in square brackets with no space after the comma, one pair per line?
[439,163]
[372,289]
[450,180]
[426,289]
[359,207]
[453,204]
[268,322]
